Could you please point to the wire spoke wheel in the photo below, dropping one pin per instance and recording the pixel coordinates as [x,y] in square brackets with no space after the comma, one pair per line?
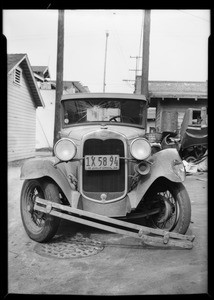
[169,211]
[174,206]
[37,217]
[33,218]
[39,226]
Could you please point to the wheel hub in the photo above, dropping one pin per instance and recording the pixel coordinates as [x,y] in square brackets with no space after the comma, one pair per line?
[166,210]
[29,208]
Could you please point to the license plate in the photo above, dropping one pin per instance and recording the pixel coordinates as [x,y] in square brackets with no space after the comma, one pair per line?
[102,162]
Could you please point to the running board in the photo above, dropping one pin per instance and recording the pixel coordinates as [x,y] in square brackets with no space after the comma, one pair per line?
[150,236]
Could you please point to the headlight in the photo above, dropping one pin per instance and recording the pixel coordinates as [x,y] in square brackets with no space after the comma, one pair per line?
[65,149]
[140,149]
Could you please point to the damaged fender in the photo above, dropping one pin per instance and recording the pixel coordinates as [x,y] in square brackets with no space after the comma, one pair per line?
[165,163]
[40,167]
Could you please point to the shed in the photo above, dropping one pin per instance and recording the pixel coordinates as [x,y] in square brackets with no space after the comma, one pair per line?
[151,115]
[172,99]
[23,98]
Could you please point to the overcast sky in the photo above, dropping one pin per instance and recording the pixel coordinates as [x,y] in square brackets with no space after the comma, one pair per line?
[178,44]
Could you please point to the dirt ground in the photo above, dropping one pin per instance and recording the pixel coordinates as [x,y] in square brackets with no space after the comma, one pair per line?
[121,266]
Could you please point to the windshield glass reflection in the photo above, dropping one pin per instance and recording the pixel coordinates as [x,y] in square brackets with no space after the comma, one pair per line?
[102,110]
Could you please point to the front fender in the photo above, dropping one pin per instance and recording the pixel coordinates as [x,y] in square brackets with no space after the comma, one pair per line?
[162,166]
[40,167]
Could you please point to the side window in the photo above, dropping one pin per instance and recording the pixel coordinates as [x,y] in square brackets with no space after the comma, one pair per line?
[196,117]
[17,78]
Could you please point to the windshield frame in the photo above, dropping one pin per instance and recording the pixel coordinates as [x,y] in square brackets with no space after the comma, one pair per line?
[104,122]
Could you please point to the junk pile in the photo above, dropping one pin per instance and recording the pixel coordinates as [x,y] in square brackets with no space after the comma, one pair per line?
[191,142]
[199,165]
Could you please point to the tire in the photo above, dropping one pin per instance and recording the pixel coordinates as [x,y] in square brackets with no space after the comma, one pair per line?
[190,159]
[39,226]
[175,207]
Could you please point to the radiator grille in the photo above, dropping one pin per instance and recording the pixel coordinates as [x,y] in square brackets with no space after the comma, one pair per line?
[104,181]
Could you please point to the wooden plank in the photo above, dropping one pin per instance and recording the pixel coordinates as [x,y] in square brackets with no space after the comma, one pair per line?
[169,121]
[20,125]
[30,135]
[137,227]
[21,148]
[16,113]
[19,98]
[154,241]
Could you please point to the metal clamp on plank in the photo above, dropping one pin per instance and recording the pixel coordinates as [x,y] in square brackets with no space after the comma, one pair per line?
[48,208]
[140,232]
[166,238]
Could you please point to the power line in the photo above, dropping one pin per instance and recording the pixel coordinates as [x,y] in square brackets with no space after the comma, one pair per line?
[182,11]
[128,82]
[104,78]
[141,34]
[118,40]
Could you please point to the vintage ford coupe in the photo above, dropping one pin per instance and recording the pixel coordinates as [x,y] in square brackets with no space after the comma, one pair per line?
[103,163]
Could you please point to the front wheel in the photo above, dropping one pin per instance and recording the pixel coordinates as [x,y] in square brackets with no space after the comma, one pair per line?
[39,226]
[174,206]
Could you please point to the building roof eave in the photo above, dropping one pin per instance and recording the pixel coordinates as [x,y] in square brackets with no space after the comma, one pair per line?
[38,77]
[22,59]
[32,81]
[177,95]
[13,66]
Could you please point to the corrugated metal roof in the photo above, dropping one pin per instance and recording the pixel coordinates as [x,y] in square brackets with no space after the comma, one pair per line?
[41,69]
[70,84]
[178,88]
[14,60]
[173,89]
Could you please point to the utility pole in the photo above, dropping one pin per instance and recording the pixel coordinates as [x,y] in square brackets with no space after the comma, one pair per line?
[59,75]
[104,77]
[136,68]
[145,61]
[137,62]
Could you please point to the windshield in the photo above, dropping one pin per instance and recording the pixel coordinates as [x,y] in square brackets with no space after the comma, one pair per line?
[104,110]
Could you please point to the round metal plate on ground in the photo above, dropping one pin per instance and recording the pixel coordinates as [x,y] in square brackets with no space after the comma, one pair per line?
[69,247]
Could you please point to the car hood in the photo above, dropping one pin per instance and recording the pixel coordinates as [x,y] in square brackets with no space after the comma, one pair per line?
[77,132]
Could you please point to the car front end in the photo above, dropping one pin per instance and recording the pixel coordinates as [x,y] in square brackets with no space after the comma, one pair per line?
[105,135]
